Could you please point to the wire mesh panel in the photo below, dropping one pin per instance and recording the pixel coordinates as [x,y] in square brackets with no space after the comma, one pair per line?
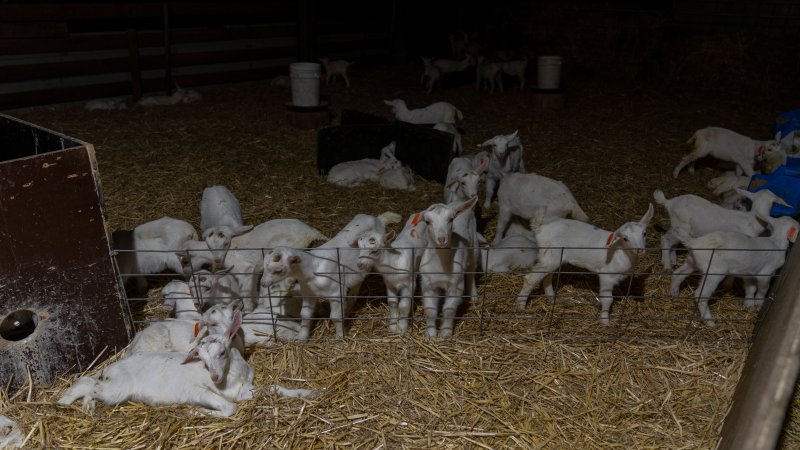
[644,305]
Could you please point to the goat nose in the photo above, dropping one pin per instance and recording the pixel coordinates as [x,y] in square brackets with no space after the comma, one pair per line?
[442,240]
[214,377]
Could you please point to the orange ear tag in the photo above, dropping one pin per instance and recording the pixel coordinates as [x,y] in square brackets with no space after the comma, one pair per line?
[196,329]
[792,235]
[610,239]
[416,218]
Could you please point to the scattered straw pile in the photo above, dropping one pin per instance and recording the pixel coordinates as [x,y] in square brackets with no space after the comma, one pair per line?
[549,378]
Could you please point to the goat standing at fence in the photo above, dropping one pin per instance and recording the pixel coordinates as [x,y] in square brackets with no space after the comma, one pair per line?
[398,263]
[722,253]
[448,263]
[610,254]
[326,272]
[694,216]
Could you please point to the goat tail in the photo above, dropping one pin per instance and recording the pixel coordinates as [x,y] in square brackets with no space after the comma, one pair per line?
[579,214]
[660,198]
[696,138]
[459,115]
[389,217]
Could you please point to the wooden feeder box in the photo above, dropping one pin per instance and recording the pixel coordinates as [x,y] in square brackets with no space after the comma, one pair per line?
[60,304]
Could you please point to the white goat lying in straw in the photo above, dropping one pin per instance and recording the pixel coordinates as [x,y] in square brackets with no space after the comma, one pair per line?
[355,173]
[210,376]
[609,254]
[722,253]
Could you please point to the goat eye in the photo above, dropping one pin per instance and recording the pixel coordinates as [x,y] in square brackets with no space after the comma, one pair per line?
[220,235]
[276,258]
[202,278]
[450,220]
[625,239]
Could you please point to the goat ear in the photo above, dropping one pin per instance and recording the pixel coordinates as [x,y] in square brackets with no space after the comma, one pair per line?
[388,103]
[482,166]
[389,236]
[354,244]
[613,244]
[294,259]
[778,136]
[224,271]
[193,355]
[451,182]
[486,143]
[237,322]
[512,135]
[648,215]
[745,192]
[467,205]
[242,229]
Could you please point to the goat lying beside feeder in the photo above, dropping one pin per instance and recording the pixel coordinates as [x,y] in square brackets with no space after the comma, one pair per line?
[210,376]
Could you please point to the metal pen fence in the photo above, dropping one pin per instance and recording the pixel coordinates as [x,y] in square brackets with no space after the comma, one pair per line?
[642,306]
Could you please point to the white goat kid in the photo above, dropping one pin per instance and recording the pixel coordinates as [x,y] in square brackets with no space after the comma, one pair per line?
[449,65]
[448,262]
[210,376]
[527,195]
[173,232]
[180,335]
[275,318]
[398,264]
[181,300]
[489,73]
[463,178]
[505,158]
[355,173]
[728,145]
[609,254]
[726,185]
[397,178]
[694,216]
[431,75]
[515,69]
[431,114]
[722,253]
[336,68]
[220,218]
[327,272]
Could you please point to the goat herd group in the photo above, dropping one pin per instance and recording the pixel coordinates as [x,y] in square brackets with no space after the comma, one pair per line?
[249,285]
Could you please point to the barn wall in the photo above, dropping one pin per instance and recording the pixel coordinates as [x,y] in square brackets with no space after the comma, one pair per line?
[56,52]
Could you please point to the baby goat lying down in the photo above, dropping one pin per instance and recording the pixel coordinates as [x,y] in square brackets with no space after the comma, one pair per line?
[210,376]
[609,254]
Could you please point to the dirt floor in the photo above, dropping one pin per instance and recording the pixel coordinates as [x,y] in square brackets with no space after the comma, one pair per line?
[550,378]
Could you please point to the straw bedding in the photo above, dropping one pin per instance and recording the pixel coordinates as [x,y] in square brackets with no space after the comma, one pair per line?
[550,377]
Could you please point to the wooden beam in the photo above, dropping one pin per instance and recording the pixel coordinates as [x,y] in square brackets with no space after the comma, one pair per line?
[769,375]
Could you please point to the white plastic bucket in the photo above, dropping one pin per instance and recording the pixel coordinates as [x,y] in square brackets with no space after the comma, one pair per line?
[549,72]
[305,83]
